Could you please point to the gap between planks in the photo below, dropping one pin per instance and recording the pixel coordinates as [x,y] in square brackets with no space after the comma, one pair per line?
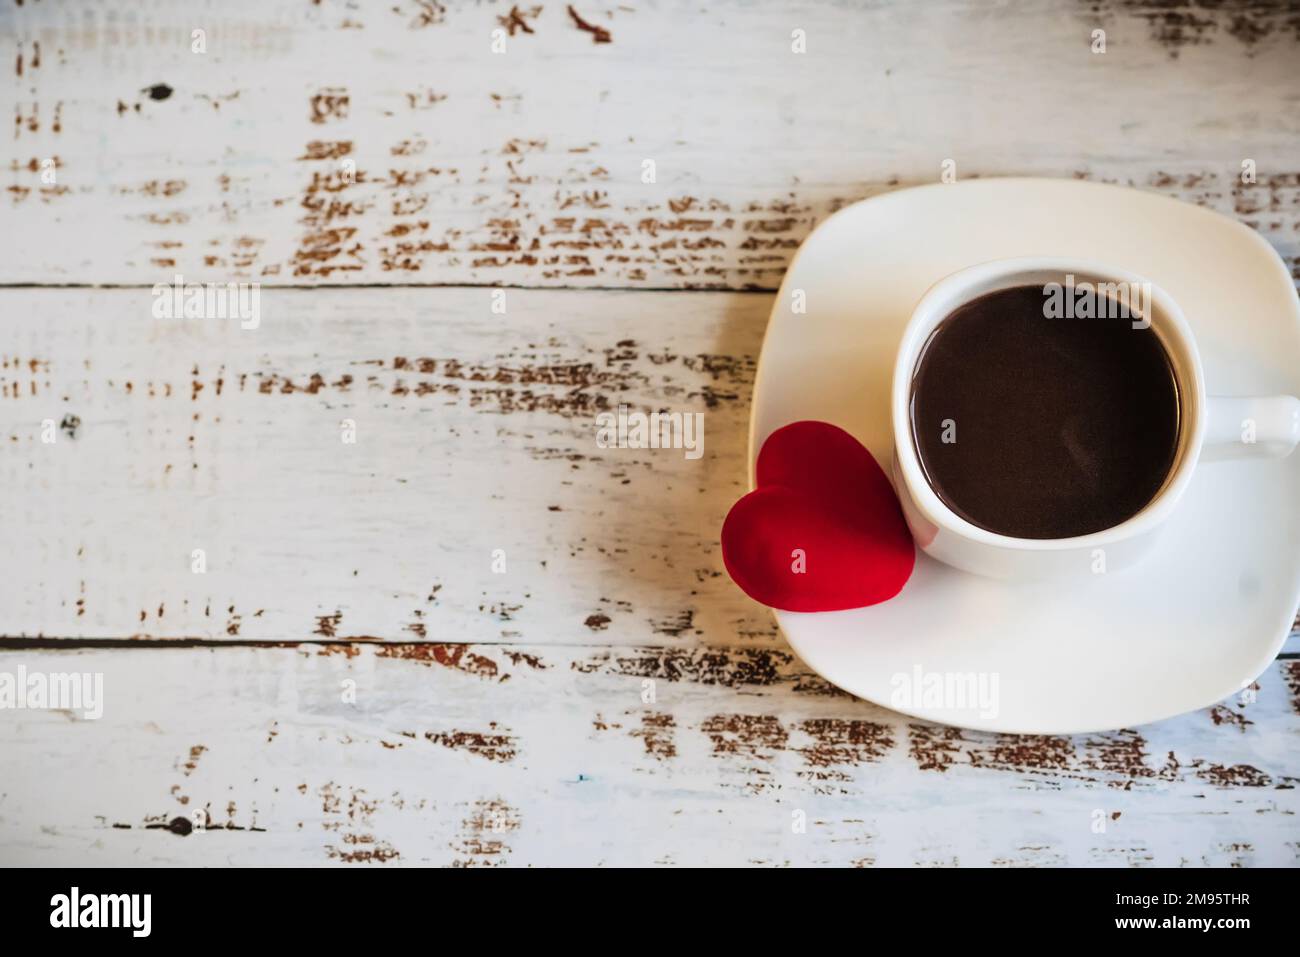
[522,287]
[75,644]
[48,643]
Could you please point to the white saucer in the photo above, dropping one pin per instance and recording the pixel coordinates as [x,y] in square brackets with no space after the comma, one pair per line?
[1203,615]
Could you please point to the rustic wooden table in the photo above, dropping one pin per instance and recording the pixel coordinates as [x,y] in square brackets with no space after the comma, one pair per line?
[472,636]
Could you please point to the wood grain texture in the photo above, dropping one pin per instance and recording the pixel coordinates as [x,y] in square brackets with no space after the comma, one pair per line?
[541,755]
[333,142]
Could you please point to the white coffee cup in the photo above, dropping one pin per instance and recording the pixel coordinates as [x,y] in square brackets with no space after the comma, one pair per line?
[1211,428]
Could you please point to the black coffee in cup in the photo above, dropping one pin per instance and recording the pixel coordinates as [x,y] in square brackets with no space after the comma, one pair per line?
[1037,424]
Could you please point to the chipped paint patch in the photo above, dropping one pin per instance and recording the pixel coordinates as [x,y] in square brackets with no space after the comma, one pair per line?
[731,668]
[1178,24]
[484,832]
[752,740]
[657,734]
[1291,675]
[492,744]
[457,657]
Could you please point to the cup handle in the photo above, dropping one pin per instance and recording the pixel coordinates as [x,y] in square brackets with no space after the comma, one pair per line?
[1240,427]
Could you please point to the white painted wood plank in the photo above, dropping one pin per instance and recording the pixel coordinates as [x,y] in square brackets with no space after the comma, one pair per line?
[476,438]
[543,755]
[526,167]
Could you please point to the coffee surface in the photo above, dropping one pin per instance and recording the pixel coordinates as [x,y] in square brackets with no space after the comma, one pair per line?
[1039,427]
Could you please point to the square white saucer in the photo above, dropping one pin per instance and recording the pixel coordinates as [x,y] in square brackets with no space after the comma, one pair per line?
[1201,616]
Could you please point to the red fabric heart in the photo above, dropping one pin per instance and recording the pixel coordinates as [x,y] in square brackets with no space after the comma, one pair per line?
[823,531]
